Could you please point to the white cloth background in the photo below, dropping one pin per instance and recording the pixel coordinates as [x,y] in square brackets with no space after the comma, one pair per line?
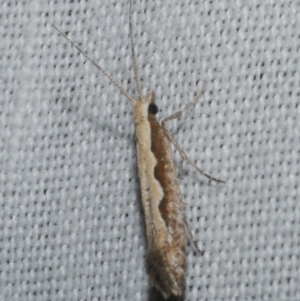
[71,222]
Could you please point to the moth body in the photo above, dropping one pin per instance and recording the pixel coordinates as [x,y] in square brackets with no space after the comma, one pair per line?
[162,202]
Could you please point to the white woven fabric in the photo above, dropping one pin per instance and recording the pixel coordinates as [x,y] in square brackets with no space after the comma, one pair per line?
[71,221]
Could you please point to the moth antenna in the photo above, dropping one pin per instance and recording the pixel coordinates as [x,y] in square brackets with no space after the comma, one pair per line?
[135,68]
[114,82]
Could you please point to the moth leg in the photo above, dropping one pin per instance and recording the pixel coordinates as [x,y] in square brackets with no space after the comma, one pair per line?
[190,104]
[194,241]
[185,157]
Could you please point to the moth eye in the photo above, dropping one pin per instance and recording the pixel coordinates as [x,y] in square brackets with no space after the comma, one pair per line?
[153,108]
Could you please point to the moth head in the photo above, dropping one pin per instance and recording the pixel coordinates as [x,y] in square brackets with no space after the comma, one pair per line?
[144,106]
[149,99]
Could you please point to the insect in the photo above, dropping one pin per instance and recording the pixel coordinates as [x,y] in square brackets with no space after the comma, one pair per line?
[161,197]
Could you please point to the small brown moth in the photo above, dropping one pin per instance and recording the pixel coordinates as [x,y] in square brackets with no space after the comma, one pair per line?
[161,197]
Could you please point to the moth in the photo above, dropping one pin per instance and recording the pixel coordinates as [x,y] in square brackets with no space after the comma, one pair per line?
[161,197]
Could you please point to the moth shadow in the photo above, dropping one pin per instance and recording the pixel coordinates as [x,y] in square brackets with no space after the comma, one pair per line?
[105,127]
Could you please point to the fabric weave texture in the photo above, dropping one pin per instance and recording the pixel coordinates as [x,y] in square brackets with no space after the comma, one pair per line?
[71,221]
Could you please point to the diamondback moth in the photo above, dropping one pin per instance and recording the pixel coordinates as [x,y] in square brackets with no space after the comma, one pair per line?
[161,197]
